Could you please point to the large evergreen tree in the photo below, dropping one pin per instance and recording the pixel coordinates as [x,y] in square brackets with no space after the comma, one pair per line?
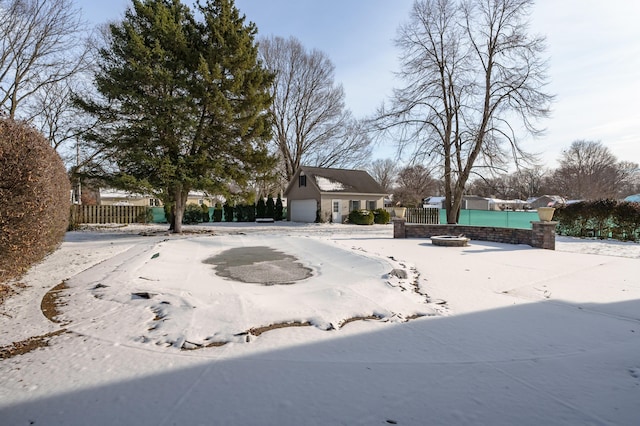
[185,100]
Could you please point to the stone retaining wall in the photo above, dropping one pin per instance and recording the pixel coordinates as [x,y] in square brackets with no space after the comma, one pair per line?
[543,234]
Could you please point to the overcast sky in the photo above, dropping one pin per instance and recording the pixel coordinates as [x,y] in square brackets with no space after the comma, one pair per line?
[593,47]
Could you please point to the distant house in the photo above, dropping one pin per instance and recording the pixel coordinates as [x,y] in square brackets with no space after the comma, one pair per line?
[498,204]
[117,197]
[475,202]
[325,194]
[547,201]
[433,202]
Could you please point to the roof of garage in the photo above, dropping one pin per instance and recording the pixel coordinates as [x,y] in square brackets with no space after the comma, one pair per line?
[338,180]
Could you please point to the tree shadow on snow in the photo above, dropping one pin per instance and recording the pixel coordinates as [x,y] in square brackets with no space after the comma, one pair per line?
[529,364]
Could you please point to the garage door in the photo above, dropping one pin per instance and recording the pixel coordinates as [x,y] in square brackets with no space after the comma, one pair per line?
[303,210]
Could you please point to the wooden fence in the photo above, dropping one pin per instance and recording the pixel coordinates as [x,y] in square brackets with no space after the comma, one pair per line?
[429,215]
[108,214]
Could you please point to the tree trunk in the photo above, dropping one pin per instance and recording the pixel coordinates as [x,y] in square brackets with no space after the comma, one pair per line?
[172,218]
[450,195]
[453,210]
[177,212]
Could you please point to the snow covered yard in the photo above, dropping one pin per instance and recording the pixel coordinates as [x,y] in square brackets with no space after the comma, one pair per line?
[484,334]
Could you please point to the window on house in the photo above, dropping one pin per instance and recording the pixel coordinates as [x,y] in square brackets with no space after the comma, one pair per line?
[371,205]
[154,202]
[354,205]
[302,180]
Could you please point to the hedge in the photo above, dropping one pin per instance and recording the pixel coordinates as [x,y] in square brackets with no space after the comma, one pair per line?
[600,219]
[35,194]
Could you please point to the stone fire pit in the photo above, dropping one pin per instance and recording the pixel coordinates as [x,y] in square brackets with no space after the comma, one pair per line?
[449,240]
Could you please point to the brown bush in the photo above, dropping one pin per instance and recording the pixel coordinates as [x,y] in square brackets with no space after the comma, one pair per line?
[34,198]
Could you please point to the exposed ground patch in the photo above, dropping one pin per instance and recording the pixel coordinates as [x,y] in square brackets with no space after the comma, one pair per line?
[49,307]
[9,290]
[25,346]
[50,303]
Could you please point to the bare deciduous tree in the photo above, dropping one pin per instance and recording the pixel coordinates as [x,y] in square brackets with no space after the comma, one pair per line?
[311,125]
[528,183]
[414,183]
[41,44]
[384,172]
[588,170]
[494,186]
[523,184]
[473,76]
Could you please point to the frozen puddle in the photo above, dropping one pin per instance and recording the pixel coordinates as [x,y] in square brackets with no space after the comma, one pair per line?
[261,264]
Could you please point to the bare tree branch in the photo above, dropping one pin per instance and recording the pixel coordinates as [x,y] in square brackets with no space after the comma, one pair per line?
[472,77]
[588,170]
[41,45]
[311,126]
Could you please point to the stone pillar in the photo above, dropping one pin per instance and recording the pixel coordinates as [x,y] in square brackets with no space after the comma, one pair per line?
[399,229]
[544,235]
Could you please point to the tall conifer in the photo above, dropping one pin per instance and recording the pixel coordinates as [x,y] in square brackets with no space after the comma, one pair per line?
[184,100]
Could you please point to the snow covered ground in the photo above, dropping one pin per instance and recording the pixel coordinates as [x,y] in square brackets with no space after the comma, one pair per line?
[387,331]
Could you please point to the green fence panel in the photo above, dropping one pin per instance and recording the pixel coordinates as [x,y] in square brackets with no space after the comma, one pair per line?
[158,215]
[501,219]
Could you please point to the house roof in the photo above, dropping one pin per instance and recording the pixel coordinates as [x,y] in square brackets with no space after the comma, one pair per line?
[549,199]
[339,180]
[109,193]
[475,197]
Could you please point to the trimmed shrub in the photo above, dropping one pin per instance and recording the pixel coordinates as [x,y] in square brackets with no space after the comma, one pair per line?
[626,220]
[192,214]
[279,209]
[146,217]
[228,212]
[361,217]
[601,211]
[572,219]
[245,213]
[205,213]
[271,208]
[35,194]
[381,216]
[217,213]
[261,208]
[167,212]
[322,217]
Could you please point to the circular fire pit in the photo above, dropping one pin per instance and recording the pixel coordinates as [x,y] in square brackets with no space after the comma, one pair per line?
[449,240]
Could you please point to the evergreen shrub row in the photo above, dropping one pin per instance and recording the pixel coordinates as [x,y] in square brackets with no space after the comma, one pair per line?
[217,213]
[195,213]
[601,219]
